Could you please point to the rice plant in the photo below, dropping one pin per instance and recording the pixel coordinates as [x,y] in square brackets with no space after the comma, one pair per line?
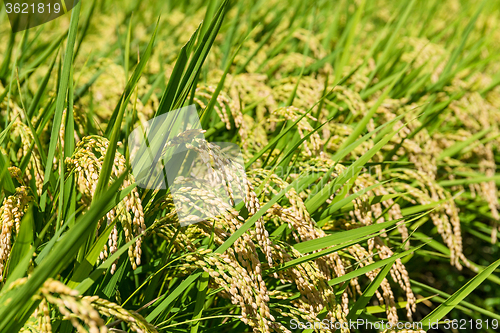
[338,167]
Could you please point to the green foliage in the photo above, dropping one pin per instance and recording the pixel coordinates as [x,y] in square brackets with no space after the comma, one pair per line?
[369,132]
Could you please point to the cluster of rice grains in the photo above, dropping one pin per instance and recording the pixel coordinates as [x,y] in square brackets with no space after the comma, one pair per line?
[85,313]
[86,163]
[242,275]
[11,212]
[240,271]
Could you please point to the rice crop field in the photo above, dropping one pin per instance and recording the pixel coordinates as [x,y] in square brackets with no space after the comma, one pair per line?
[251,166]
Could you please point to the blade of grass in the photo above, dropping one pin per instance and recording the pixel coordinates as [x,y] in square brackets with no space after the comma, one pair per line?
[63,86]
[363,300]
[455,299]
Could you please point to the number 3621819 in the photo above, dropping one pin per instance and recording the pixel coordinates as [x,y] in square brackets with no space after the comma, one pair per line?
[25,8]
